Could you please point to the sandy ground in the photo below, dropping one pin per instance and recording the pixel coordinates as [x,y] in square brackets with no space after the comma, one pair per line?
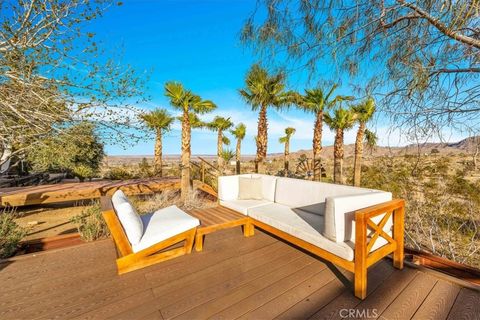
[48,221]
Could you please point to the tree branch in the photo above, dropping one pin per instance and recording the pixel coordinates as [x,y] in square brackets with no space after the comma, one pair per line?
[441,27]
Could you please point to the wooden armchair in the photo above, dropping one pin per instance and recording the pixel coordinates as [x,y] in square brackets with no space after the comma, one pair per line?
[129,259]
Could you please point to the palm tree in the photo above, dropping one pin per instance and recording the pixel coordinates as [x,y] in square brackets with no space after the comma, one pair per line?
[190,105]
[160,121]
[316,101]
[370,140]
[363,113]
[286,140]
[220,124]
[264,90]
[239,134]
[341,120]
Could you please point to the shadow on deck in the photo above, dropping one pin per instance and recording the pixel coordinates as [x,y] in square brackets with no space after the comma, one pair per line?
[234,277]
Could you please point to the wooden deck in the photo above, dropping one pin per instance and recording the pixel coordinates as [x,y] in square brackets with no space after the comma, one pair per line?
[234,277]
[66,192]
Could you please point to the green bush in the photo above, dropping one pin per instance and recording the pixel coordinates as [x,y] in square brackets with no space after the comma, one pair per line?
[90,223]
[10,234]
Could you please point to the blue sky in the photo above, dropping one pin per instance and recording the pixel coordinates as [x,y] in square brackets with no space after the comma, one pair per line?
[196,42]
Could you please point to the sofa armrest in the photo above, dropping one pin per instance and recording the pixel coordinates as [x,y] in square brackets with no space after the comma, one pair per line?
[363,222]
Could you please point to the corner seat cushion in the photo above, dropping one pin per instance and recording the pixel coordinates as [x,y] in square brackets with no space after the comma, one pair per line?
[242,206]
[301,224]
[163,224]
[128,216]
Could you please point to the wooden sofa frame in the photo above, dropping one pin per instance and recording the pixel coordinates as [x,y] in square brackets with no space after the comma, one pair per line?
[363,258]
[127,259]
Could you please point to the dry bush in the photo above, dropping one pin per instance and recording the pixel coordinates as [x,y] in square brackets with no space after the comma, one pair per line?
[152,202]
[90,223]
[442,205]
[10,233]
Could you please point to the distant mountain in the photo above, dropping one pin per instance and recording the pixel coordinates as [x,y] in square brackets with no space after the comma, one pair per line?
[464,146]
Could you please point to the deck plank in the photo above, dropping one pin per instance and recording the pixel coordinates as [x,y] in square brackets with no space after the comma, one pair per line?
[411,298]
[467,306]
[255,277]
[439,302]
[326,302]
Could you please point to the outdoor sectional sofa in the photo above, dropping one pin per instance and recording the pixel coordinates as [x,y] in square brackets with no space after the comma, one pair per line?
[349,226]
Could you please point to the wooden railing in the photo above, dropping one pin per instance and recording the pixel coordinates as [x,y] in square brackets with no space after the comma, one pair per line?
[204,175]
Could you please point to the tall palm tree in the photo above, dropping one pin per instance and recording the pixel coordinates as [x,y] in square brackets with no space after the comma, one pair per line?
[286,140]
[190,105]
[370,140]
[316,101]
[341,120]
[363,113]
[160,121]
[220,124]
[239,134]
[263,90]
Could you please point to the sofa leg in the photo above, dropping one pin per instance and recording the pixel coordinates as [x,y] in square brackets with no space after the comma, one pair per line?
[360,283]
[398,234]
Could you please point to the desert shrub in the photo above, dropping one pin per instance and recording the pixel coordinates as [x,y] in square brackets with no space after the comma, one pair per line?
[90,223]
[149,203]
[145,170]
[442,208]
[10,233]
[119,173]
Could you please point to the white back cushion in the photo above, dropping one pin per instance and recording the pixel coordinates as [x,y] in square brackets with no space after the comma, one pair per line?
[128,216]
[250,188]
[228,187]
[269,184]
[309,195]
[340,214]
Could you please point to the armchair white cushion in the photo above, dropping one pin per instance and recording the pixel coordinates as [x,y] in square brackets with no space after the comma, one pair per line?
[163,224]
[128,216]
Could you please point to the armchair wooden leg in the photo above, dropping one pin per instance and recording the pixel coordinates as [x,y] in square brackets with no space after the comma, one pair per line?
[199,242]
[398,234]
[189,242]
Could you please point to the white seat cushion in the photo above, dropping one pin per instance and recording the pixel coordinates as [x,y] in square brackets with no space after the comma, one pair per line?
[163,224]
[301,224]
[243,205]
[128,216]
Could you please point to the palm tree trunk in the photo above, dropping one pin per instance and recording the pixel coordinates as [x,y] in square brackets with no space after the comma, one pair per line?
[219,151]
[338,155]
[186,153]
[262,138]
[317,145]
[357,166]
[287,156]
[158,154]
[237,155]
